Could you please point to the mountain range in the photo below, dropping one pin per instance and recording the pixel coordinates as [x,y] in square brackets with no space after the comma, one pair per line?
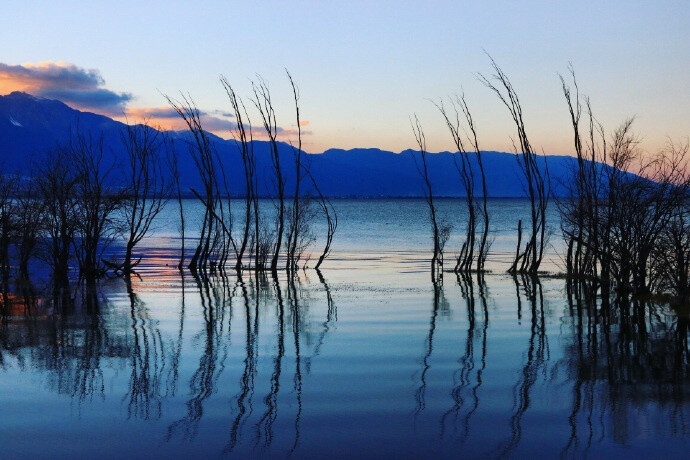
[31,126]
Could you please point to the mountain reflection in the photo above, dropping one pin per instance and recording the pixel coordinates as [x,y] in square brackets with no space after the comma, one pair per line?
[264,363]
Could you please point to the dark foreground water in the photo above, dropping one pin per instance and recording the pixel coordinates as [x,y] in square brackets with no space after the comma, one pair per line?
[368,359]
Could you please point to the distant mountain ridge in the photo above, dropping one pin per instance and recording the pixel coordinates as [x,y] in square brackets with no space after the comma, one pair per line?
[30,126]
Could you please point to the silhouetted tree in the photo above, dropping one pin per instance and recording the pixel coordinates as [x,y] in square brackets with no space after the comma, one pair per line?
[8,211]
[331,220]
[536,179]
[440,230]
[31,222]
[298,234]
[205,159]
[245,141]
[57,180]
[96,203]
[466,257]
[264,104]
[172,159]
[147,189]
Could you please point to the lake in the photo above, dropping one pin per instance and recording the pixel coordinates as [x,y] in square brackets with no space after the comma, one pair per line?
[367,358]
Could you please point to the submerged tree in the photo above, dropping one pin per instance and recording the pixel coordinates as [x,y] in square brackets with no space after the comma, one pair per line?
[96,203]
[331,220]
[292,226]
[466,258]
[244,138]
[57,188]
[536,179]
[264,104]
[172,159]
[580,208]
[624,217]
[440,230]
[298,220]
[31,222]
[8,190]
[205,158]
[147,188]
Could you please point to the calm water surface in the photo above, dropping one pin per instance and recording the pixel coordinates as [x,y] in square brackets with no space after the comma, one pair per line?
[368,359]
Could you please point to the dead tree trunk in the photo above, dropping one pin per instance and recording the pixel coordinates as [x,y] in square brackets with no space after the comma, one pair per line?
[537,181]
[263,102]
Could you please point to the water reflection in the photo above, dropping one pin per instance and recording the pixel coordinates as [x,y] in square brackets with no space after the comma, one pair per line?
[439,303]
[625,357]
[214,299]
[68,340]
[536,355]
[256,364]
[466,379]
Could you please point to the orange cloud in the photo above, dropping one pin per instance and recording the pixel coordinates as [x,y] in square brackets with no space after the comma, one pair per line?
[84,89]
[78,87]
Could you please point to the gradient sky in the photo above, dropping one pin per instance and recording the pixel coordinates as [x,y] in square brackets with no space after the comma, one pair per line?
[364,67]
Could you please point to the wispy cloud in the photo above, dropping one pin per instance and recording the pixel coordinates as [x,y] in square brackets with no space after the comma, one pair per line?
[73,85]
[167,118]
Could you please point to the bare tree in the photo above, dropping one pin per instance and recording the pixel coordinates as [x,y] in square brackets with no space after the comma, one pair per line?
[8,190]
[205,158]
[263,102]
[174,169]
[580,209]
[31,223]
[466,257]
[536,179]
[147,189]
[670,260]
[245,141]
[624,217]
[298,227]
[464,166]
[57,187]
[440,230]
[96,202]
[331,219]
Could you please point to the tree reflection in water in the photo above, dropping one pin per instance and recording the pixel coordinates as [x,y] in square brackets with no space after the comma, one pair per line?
[536,356]
[617,358]
[624,354]
[244,398]
[462,378]
[68,340]
[214,298]
[439,302]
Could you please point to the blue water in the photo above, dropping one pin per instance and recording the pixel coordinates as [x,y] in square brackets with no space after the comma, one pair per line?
[392,230]
[370,360]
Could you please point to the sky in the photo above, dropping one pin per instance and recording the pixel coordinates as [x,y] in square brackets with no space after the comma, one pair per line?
[362,67]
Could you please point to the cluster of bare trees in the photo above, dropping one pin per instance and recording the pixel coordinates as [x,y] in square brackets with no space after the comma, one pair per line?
[625,217]
[474,249]
[74,204]
[62,212]
[78,199]
[259,244]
